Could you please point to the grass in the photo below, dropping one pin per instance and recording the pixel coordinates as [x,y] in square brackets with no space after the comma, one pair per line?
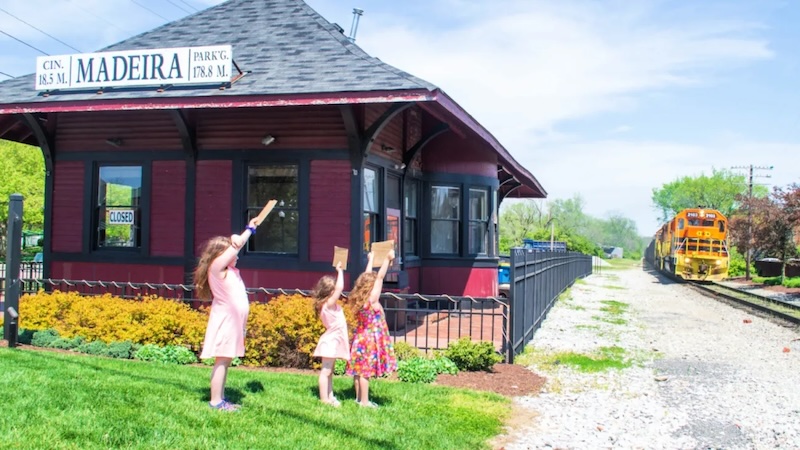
[621,264]
[606,358]
[64,401]
[614,287]
[611,320]
[614,307]
[789,282]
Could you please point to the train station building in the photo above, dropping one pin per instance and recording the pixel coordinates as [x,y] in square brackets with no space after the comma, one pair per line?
[161,141]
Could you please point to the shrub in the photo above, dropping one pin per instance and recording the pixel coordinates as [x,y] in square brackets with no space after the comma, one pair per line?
[67,343]
[149,352]
[44,338]
[405,351]
[472,356]
[339,367]
[152,320]
[122,350]
[416,370]
[234,363]
[442,364]
[93,348]
[284,332]
[171,354]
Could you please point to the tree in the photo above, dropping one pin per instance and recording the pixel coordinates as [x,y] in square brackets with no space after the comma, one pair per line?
[22,167]
[518,221]
[770,226]
[720,191]
[569,214]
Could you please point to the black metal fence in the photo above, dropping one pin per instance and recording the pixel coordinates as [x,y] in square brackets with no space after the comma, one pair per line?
[424,321]
[537,279]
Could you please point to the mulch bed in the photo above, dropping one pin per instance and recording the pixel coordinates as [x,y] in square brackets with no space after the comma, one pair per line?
[506,379]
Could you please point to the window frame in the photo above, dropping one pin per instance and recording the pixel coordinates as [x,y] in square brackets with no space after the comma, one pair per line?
[375,216]
[484,221]
[92,234]
[411,222]
[458,221]
[250,211]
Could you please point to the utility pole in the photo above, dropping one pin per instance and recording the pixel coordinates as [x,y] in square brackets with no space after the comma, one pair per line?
[751,168]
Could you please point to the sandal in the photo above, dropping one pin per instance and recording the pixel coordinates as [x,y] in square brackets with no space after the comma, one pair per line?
[333,402]
[368,405]
[225,405]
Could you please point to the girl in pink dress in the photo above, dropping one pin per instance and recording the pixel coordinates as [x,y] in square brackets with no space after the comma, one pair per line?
[372,352]
[334,343]
[217,277]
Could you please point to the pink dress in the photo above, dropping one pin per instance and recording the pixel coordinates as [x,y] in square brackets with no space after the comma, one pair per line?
[372,352]
[334,343]
[228,317]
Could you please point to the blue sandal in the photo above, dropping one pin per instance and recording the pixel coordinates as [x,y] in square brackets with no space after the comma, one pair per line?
[225,405]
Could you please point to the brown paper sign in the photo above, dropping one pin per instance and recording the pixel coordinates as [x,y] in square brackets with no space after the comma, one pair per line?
[380,250]
[264,212]
[340,256]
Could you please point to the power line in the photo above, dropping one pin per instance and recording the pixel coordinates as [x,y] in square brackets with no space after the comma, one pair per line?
[102,18]
[25,43]
[9,76]
[40,31]
[179,6]
[751,169]
[148,9]
[190,6]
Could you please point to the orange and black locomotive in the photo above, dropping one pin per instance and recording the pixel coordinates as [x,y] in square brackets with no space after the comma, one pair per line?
[693,245]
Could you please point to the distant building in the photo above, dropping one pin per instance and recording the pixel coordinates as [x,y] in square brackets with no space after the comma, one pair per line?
[613,252]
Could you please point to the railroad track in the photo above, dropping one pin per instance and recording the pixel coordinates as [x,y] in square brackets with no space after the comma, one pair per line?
[773,307]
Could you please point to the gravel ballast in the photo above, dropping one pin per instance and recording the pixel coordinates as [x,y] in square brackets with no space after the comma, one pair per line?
[703,374]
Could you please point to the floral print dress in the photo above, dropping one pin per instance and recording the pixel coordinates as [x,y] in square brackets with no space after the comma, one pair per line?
[372,353]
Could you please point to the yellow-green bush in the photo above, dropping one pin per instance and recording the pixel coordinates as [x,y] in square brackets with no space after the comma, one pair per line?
[152,320]
[284,332]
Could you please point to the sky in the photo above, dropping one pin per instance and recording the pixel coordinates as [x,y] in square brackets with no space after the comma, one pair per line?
[602,99]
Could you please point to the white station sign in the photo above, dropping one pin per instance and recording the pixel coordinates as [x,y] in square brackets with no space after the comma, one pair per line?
[145,67]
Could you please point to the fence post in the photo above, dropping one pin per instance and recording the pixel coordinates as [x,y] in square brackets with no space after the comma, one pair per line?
[13,256]
[512,287]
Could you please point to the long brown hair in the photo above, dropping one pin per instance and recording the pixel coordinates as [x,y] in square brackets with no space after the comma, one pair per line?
[362,288]
[212,249]
[324,288]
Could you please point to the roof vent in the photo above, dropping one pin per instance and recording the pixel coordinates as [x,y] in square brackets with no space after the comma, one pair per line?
[354,25]
[338,28]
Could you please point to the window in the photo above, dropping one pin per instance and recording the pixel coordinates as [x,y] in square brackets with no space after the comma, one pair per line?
[445,217]
[371,207]
[680,224]
[410,201]
[721,226]
[118,207]
[478,221]
[280,230]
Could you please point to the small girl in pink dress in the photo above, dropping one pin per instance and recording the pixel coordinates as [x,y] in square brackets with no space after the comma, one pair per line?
[334,343]
[372,352]
[217,277]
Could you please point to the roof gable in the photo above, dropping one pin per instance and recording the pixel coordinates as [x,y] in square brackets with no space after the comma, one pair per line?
[284,46]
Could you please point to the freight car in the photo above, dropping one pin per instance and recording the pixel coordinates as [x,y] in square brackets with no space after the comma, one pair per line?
[693,246]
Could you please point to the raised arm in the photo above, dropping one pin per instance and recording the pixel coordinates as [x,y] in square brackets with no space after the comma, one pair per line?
[370,257]
[375,294]
[337,289]
[221,263]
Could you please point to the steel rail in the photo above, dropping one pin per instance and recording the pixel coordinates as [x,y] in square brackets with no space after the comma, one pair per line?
[752,301]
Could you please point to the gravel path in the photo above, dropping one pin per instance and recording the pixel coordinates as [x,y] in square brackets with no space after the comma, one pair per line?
[705,375]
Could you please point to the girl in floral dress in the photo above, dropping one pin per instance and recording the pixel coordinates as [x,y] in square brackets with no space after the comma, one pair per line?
[371,353]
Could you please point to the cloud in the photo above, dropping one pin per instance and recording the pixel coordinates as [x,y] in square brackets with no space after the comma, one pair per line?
[621,129]
[524,67]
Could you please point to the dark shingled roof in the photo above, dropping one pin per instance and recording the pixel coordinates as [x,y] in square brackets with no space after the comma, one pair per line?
[286,47]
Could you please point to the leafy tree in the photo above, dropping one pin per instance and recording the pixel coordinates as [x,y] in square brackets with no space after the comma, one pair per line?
[569,214]
[767,224]
[719,191]
[22,169]
[517,222]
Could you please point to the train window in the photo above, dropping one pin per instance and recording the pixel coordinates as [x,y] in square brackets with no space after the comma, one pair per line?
[721,226]
[694,222]
[680,224]
[708,223]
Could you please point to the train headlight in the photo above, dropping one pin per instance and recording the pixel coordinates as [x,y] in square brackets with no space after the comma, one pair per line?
[719,262]
[687,260]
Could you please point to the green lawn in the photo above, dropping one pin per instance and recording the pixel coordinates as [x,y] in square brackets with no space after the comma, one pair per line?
[54,400]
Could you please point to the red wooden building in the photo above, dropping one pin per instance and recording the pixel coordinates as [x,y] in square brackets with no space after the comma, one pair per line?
[144,164]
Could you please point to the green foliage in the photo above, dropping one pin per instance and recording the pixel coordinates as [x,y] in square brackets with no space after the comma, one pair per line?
[403,350]
[737,263]
[416,370]
[340,367]
[718,191]
[235,362]
[122,350]
[171,354]
[93,348]
[472,356]
[44,338]
[22,167]
[67,343]
[442,364]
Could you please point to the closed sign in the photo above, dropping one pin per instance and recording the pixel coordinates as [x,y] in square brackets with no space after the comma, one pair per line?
[120,217]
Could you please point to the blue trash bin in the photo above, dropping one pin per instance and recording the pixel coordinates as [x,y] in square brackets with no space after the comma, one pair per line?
[503,273]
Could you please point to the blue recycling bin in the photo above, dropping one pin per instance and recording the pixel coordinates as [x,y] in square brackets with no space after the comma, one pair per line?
[504,273]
